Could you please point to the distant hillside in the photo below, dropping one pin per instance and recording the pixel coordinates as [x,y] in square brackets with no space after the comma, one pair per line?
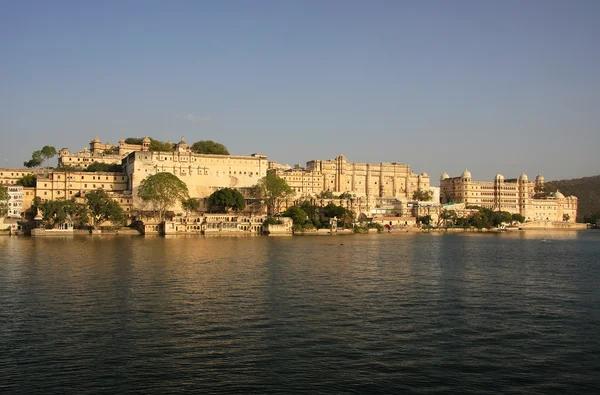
[587,190]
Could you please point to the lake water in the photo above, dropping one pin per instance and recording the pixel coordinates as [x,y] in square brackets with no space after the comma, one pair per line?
[463,314]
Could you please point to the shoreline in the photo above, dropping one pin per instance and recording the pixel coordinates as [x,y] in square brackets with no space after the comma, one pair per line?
[397,232]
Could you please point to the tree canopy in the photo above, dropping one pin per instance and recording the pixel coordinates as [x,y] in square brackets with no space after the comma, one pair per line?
[162,191]
[298,216]
[27,180]
[225,199]
[190,205]
[209,147]
[57,212]
[35,161]
[95,167]
[3,200]
[155,145]
[482,218]
[103,208]
[38,157]
[272,189]
[341,213]
[422,196]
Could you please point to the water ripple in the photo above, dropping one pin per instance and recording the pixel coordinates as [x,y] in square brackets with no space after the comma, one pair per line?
[415,314]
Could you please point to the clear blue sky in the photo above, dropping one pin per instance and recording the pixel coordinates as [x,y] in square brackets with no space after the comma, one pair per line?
[495,86]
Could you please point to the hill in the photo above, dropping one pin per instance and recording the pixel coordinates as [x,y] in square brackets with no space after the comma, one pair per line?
[587,190]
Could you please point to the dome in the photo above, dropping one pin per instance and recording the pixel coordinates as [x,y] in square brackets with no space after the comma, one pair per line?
[182,142]
[539,177]
[424,174]
[466,174]
[146,140]
[96,140]
[558,195]
[444,176]
[499,177]
[523,177]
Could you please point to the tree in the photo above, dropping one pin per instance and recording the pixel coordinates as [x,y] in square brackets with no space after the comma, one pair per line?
[566,217]
[313,213]
[342,214]
[27,181]
[517,218]
[346,195]
[272,189]
[190,205]
[209,147]
[104,167]
[325,195]
[225,199]
[3,200]
[36,159]
[298,216]
[48,152]
[161,146]
[103,208]
[422,196]
[155,145]
[425,220]
[57,212]
[447,217]
[162,190]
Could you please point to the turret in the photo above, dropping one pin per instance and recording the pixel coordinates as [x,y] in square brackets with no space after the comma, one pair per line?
[95,144]
[146,144]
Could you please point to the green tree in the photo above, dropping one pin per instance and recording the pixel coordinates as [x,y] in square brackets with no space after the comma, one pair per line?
[27,180]
[225,199]
[162,191]
[95,167]
[155,145]
[272,189]
[346,195]
[326,195]
[566,217]
[501,217]
[36,159]
[422,196]
[298,216]
[190,205]
[447,218]
[425,220]
[57,212]
[103,208]
[209,147]
[134,140]
[48,152]
[313,213]
[160,146]
[342,214]
[3,200]
[517,218]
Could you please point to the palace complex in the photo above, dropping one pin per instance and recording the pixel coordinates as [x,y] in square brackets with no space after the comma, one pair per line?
[371,189]
[377,180]
[517,196]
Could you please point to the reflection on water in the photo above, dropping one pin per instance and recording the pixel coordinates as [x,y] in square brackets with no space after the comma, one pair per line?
[464,313]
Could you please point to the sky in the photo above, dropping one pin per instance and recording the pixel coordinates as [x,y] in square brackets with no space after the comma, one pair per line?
[493,86]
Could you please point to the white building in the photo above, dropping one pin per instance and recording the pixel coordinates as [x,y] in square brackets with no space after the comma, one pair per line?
[15,201]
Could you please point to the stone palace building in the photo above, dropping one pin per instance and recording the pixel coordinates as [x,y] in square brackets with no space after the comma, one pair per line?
[517,196]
